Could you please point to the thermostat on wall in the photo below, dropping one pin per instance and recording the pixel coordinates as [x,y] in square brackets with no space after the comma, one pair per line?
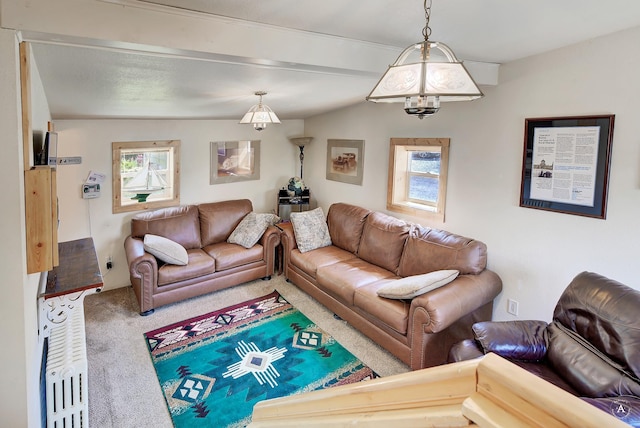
[90,191]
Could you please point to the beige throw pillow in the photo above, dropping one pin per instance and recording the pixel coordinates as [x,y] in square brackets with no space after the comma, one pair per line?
[311,231]
[249,231]
[412,286]
[165,249]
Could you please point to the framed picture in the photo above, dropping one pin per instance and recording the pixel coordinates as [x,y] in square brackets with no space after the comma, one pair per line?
[345,161]
[233,161]
[565,165]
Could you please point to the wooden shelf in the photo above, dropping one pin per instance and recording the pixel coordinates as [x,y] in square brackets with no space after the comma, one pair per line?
[78,270]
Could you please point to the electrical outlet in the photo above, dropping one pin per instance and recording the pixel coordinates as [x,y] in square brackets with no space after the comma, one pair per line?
[512,306]
[109,263]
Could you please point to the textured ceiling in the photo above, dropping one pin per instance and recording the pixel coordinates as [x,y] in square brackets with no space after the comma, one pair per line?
[97,79]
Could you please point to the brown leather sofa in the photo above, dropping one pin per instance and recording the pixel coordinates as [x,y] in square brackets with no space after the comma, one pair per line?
[213,263]
[371,249]
[590,349]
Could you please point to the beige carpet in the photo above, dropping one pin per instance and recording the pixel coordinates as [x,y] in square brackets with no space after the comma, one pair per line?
[123,389]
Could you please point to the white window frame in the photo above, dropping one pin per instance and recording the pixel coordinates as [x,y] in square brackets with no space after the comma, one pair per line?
[400,150]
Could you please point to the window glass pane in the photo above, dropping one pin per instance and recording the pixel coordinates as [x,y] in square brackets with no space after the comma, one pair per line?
[146,176]
[418,176]
[425,162]
[423,188]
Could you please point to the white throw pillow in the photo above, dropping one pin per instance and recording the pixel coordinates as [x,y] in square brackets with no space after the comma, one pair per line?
[249,231]
[165,249]
[415,285]
[310,228]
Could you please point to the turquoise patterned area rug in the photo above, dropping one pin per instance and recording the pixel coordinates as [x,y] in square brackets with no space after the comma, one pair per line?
[214,368]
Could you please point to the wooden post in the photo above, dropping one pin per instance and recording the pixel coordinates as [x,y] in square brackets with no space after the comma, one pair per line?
[40,186]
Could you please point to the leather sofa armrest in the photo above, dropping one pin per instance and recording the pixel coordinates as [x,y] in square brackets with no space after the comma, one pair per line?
[467,349]
[270,238]
[287,237]
[143,272]
[523,340]
[269,241]
[446,305]
[288,241]
[136,255]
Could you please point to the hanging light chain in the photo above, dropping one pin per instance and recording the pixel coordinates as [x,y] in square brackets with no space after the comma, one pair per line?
[260,94]
[426,31]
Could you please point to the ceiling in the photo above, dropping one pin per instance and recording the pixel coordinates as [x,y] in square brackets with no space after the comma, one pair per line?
[85,78]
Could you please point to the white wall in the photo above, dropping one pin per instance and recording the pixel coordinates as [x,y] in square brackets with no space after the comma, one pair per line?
[536,253]
[21,354]
[91,139]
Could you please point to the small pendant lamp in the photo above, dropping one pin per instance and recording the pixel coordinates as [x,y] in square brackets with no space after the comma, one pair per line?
[424,75]
[259,115]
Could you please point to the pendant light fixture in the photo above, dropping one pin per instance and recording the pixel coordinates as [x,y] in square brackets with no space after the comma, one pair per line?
[424,75]
[259,115]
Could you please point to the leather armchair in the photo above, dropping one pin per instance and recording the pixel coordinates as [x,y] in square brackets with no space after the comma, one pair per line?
[590,349]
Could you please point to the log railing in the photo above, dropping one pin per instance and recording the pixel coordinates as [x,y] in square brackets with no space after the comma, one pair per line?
[486,392]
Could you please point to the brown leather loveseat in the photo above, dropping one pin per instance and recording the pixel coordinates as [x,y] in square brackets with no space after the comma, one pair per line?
[590,349]
[213,263]
[370,250]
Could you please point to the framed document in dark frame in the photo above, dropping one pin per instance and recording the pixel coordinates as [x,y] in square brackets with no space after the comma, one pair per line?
[565,165]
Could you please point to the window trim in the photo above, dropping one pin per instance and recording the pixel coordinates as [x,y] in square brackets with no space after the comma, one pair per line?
[397,185]
[116,152]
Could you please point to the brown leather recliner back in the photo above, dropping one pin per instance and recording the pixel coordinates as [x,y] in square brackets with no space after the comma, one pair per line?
[594,340]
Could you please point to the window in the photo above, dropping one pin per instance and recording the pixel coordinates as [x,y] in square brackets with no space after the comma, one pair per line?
[418,176]
[145,175]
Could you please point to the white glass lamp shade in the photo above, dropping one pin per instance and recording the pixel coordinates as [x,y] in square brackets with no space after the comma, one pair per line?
[259,116]
[301,141]
[424,75]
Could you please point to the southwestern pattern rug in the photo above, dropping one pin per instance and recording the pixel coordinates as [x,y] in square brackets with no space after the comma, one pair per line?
[214,368]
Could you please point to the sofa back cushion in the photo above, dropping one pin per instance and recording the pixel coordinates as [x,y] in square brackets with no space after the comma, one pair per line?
[179,224]
[428,250]
[219,219]
[345,224]
[597,332]
[382,241]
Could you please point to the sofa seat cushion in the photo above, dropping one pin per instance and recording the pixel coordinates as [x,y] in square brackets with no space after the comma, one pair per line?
[393,313]
[310,261]
[200,264]
[625,408]
[343,278]
[228,255]
[547,373]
